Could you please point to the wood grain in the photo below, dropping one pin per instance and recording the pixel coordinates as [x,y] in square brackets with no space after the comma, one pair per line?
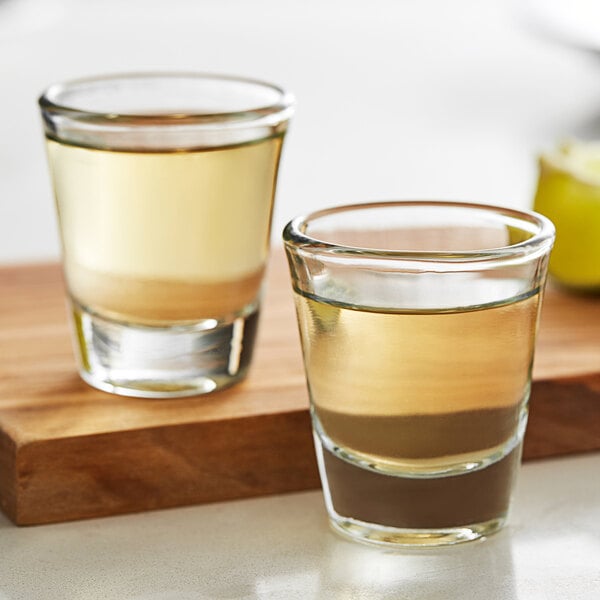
[68,451]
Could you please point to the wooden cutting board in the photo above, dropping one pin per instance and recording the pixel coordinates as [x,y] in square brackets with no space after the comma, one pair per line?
[68,451]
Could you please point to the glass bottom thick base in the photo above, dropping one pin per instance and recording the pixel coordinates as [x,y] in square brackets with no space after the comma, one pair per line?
[370,533]
[163,361]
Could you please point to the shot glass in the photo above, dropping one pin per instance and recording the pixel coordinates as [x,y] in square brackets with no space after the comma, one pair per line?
[418,323]
[164,187]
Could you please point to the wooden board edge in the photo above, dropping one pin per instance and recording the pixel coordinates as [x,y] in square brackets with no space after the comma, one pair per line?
[197,463]
[8,496]
[179,465]
[564,417]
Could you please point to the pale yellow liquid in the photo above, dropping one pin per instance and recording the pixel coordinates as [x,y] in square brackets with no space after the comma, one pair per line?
[156,237]
[416,389]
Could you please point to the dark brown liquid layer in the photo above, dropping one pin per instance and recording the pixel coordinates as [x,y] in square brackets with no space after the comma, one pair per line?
[407,503]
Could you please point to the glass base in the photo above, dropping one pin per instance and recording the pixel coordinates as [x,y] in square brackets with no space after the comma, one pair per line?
[162,361]
[371,533]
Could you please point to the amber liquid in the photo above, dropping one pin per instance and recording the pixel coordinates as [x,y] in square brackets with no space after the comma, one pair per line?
[419,405]
[164,237]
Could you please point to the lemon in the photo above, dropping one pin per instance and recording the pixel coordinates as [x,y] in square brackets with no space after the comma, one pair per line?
[568,193]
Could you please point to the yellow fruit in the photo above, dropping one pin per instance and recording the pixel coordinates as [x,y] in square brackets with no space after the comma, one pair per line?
[568,194]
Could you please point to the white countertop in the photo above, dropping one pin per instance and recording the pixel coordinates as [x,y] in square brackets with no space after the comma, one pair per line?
[280,547]
[396,99]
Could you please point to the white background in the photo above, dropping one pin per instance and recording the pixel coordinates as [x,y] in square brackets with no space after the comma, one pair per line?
[395,98]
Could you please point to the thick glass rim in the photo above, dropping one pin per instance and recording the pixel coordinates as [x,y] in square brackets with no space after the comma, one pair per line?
[282,107]
[541,240]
